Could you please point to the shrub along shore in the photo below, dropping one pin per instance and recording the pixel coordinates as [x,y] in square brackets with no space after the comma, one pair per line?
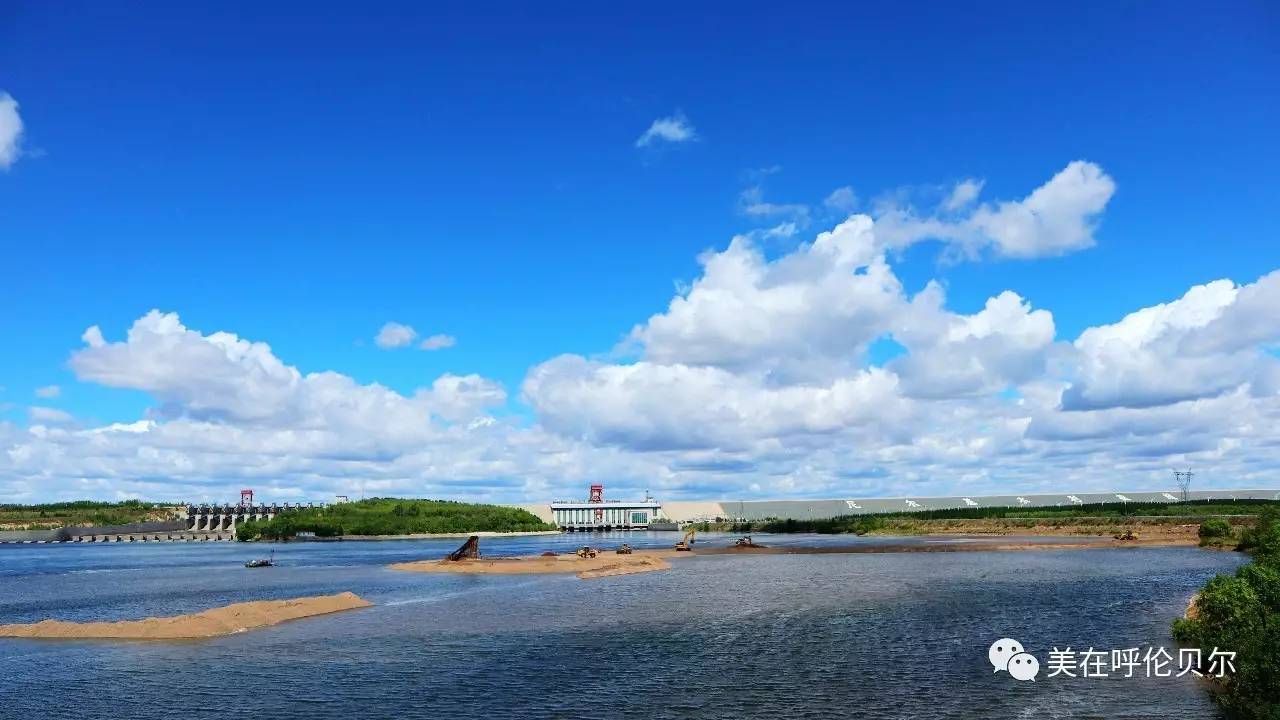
[1241,613]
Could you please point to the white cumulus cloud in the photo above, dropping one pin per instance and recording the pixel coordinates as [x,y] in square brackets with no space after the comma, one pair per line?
[948,355]
[797,315]
[842,199]
[1058,217]
[1212,340]
[438,342]
[673,129]
[964,192]
[648,406]
[221,377]
[395,335]
[10,131]
[761,350]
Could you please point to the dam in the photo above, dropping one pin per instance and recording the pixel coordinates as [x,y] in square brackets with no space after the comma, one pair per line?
[225,517]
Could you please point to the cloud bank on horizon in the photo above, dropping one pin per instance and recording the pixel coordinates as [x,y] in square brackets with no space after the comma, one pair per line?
[757,380]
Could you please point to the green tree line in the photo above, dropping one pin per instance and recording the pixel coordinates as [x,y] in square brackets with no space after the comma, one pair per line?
[82,512]
[1241,613]
[855,524]
[388,516]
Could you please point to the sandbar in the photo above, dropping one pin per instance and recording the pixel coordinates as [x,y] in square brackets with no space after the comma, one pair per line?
[606,564]
[227,620]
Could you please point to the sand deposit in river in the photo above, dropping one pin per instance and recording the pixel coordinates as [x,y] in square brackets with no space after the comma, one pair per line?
[209,623]
[605,564]
[608,563]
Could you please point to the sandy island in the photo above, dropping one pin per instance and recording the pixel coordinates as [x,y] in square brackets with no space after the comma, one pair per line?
[608,563]
[227,620]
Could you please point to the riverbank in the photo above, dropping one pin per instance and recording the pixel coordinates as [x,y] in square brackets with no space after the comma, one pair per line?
[1239,612]
[227,620]
[1146,530]
[960,543]
[1164,521]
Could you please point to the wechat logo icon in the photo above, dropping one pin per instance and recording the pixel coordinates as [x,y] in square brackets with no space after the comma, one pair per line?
[1009,655]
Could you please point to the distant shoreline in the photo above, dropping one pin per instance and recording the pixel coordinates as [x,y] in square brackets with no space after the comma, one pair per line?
[445,536]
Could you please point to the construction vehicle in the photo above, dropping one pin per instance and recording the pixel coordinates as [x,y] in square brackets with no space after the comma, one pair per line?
[746,542]
[469,549]
[586,551]
[262,562]
[686,542]
[624,549]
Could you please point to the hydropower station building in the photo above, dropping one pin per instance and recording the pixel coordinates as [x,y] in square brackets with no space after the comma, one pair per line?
[596,513]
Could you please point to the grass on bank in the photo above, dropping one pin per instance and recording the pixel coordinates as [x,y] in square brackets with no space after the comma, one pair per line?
[389,516]
[81,513]
[1241,613]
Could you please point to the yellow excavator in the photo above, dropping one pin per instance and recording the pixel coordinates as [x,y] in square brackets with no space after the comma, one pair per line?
[686,542]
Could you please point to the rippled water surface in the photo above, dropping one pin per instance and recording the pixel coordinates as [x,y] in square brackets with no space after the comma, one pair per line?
[798,636]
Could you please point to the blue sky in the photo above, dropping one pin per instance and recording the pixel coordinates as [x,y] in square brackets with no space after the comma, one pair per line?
[302,174]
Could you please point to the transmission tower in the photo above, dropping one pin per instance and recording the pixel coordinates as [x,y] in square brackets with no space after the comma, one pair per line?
[1183,478]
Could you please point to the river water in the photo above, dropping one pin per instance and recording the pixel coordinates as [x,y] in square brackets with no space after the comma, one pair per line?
[795,636]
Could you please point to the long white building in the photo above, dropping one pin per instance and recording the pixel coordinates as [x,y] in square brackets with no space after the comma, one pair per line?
[596,513]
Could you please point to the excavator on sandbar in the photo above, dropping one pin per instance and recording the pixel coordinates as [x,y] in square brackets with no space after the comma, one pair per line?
[586,551]
[686,542]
